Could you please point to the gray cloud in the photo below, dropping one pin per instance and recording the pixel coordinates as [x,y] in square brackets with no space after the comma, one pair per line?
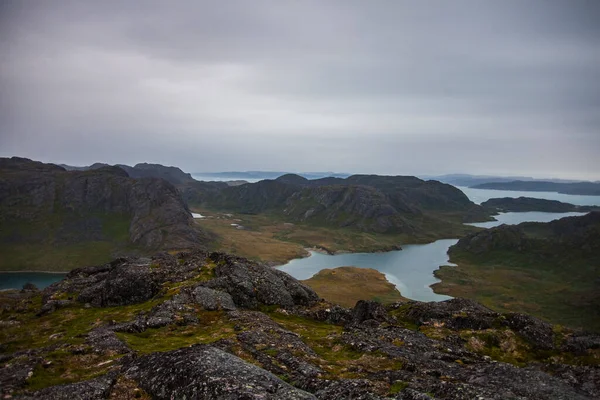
[398,87]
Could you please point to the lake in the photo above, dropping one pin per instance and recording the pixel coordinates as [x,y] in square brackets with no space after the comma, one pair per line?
[480,195]
[513,218]
[16,280]
[410,269]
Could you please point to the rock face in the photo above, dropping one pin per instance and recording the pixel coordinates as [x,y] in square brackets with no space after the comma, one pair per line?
[44,204]
[204,372]
[251,284]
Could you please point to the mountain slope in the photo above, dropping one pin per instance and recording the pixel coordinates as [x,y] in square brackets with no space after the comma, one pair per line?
[550,270]
[524,204]
[95,214]
[366,203]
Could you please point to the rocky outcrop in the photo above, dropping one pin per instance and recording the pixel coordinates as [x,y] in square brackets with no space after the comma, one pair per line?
[252,284]
[229,328]
[230,281]
[205,372]
[93,389]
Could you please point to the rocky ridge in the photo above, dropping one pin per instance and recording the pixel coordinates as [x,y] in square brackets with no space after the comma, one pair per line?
[367,203]
[189,326]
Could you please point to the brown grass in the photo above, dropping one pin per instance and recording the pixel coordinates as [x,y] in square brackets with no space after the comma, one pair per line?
[346,285]
[268,238]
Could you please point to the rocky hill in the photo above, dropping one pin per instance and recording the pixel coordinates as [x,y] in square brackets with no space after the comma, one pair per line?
[524,204]
[549,269]
[212,326]
[53,218]
[368,203]
[173,175]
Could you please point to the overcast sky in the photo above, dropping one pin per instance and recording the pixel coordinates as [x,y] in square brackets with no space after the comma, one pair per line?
[396,87]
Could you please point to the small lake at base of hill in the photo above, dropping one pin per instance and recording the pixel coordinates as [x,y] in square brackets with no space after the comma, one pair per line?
[410,269]
[16,280]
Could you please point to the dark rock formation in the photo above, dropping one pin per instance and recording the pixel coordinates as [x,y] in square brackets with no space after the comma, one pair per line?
[251,284]
[204,372]
[94,389]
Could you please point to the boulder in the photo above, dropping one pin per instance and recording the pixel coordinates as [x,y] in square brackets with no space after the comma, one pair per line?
[205,372]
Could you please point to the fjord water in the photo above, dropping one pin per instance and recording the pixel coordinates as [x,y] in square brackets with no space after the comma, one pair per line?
[513,218]
[16,280]
[410,269]
[478,196]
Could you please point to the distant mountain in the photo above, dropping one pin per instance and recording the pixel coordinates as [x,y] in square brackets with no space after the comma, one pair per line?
[370,203]
[260,175]
[580,188]
[143,170]
[92,215]
[473,180]
[524,204]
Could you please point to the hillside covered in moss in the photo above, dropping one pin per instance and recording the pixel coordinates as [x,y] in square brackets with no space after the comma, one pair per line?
[209,325]
[550,270]
[53,219]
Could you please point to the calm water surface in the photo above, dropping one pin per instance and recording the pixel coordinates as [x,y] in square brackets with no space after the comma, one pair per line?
[513,218]
[480,195]
[409,269]
[16,280]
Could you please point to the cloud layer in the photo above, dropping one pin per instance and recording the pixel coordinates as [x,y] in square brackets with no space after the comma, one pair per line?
[398,87]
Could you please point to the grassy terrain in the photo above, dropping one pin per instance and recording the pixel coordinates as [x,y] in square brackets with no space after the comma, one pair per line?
[346,285]
[561,289]
[60,336]
[271,238]
[44,245]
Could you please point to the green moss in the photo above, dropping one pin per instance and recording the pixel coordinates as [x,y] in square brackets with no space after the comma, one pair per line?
[212,326]
[397,387]
[63,367]
[66,325]
[335,357]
